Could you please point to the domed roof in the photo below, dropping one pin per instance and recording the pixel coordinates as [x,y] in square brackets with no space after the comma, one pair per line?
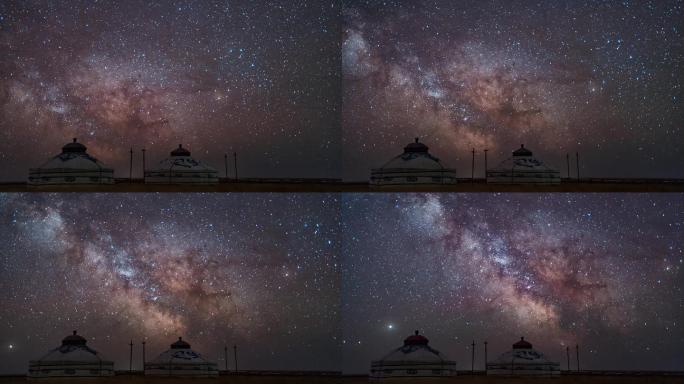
[180,151]
[180,344]
[415,349]
[73,158]
[73,147]
[522,353]
[522,344]
[522,160]
[180,161]
[74,339]
[73,349]
[522,151]
[416,339]
[415,156]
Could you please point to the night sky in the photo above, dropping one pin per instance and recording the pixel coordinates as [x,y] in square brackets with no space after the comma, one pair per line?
[259,271]
[602,78]
[259,78]
[605,271]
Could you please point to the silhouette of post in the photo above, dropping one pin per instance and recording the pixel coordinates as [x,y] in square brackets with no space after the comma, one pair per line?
[130,360]
[225,347]
[143,153]
[577,352]
[143,343]
[225,162]
[235,355]
[472,358]
[577,163]
[485,362]
[485,151]
[567,161]
[567,353]
[472,168]
[130,169]
[235,164]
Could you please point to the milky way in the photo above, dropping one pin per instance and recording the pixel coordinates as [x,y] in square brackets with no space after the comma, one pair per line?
[256,271]
[599,78]
[602,271]
[261,79]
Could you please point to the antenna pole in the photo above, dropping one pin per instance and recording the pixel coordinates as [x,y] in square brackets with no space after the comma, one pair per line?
[577,351]
[235,164]
[485,343]
[567,354]
[235,355]
[143,153]
[143,343]
[472,359]
[130,361]
[472,168]
[567,160]
[130,169]
[577,162]
[225,351]
[485,151]
[225,162]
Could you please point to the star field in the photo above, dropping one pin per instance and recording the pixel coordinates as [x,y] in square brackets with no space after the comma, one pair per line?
[594,77]
[604,271]
[260,79]
[259,272]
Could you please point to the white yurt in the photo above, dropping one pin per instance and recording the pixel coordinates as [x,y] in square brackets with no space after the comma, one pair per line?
[73,166]
[523,168]
[414,359]
[523,360]
[181,168]
[181,360]
[415,166]
[72,359]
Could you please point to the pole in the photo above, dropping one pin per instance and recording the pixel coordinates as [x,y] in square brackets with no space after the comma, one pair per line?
[225,351]
[235,355]
[567,160]
[130,169]
[235,164]
[485,355]
[567,353]
[472,359]
[472,170]
[485,151]
[225,162]
[143,153]
[577,161]
[577,351]
[143,343]
[130,361]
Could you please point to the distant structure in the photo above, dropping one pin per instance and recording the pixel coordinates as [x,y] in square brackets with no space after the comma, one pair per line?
[72,359]
[523,168]
[72,166]
[415,166]
[180,168]
[414,359]
[180,360]
[522,360]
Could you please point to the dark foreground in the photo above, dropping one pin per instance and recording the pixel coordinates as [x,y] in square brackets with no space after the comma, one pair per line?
[589,378]
[335,185]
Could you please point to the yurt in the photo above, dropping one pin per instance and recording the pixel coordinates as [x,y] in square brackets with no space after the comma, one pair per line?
[181,168]
[413,359]
[181,360]
[523,360]
[73,166]
[523,168]
[415,166]
[71,359]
